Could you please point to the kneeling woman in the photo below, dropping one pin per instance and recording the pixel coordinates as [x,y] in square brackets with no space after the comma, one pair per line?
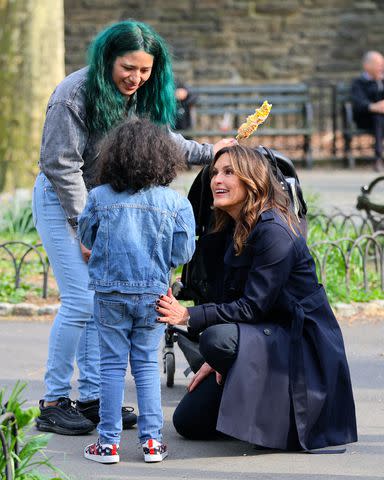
[276,374]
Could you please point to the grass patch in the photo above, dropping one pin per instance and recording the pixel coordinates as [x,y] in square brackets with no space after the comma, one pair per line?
[334,263]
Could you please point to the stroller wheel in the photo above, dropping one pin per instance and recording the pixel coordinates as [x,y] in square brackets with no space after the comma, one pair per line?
[169,366]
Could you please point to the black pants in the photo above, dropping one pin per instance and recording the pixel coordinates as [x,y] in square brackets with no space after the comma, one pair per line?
[378,130]
[375,123]
[196,415]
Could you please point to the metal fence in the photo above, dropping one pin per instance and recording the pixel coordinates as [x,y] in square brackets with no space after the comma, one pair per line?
[364,253]
[18,256]
[339,222]
[352,237]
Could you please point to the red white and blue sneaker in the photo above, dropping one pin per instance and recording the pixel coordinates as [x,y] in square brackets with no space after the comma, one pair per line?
[154,451]
[102,452]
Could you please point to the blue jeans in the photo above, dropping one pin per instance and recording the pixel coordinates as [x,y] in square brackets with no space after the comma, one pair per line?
[73,332]
[128,328]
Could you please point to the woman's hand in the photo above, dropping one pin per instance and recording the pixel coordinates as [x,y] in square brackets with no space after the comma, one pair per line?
[224,142]
[86,254]
[172,312]
[204,371]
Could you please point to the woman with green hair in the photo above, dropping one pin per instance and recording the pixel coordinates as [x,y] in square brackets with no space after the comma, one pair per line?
[129,73]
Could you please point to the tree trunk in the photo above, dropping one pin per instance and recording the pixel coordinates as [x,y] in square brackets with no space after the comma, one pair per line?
[31,65]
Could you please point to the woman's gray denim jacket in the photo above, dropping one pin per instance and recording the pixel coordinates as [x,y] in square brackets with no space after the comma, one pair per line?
[69,150]
[136,238]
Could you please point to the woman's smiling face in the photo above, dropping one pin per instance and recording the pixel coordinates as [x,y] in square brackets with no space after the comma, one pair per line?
[131,71]
[229,192]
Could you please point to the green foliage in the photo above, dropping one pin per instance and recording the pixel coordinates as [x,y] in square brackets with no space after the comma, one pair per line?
[31,456]
[312,200]
[31,279]
[8,292]
[16,224]
[334,273]
[16,220]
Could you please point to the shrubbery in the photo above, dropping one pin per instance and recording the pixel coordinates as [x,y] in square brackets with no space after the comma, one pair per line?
[30,458]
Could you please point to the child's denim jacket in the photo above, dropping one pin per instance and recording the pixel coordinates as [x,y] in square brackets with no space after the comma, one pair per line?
[136,238]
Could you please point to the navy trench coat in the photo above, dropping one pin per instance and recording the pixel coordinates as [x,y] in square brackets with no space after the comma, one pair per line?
[290,385]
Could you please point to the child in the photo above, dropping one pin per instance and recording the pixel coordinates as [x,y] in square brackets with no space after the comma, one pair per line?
[137,229]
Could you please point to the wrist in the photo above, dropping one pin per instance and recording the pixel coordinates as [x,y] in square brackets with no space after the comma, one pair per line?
[186,318]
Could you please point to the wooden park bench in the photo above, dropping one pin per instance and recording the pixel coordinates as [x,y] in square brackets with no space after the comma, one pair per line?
[220,110]
[342,120]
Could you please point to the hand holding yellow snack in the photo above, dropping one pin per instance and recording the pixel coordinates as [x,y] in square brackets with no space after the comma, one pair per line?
[253,121]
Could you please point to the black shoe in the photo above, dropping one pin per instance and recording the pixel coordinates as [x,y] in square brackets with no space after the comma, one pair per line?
[90,410]
[63,418]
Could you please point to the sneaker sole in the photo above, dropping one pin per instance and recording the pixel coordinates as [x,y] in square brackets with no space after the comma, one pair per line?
[148,458]
[49,427]
[102,459]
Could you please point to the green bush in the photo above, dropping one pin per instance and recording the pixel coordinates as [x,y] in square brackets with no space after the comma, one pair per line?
[16,224]
[335,270]
[31,278]
[31,456]
[16,221]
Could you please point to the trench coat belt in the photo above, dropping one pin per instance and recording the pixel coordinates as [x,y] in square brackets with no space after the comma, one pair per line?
[298,388]
[297,375]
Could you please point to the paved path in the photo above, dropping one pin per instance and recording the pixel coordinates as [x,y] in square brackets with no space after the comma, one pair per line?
[23,348]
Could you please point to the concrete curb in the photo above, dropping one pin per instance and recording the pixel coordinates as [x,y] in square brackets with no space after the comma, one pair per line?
[27,309]
[345,312]
[351,312]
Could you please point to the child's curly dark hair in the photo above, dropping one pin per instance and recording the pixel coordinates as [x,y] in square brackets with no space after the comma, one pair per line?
[138,154]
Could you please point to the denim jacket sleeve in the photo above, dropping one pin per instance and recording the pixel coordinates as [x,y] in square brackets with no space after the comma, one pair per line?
[195,153]
[184,235]
[64,140]
[88,223]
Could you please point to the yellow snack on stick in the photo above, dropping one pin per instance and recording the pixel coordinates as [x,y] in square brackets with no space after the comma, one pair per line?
[253,121]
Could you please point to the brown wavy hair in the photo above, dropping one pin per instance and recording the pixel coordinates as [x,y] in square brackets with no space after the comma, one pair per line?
[263,193]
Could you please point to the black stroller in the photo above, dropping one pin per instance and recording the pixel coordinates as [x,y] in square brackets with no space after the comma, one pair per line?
[199,276]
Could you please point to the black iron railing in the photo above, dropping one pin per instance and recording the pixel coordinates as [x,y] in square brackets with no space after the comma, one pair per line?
[351,235]
[17,256]
[364,253]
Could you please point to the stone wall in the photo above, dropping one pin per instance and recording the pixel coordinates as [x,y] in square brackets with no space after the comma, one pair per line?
[231,41]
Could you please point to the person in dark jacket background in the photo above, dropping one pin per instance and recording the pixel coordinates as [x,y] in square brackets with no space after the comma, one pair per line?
[275,371]
[367,93]
[185,100]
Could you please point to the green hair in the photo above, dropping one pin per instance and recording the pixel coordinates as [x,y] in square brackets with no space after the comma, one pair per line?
[155,99]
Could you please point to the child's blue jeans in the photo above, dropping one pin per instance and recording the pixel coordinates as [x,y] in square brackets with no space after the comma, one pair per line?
[128,328]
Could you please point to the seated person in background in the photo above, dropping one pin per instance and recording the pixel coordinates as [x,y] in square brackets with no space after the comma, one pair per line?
[367,93]
[276,373]
[185,101]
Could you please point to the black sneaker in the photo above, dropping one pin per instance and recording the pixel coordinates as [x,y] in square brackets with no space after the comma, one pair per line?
[90,410]
[63,418]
